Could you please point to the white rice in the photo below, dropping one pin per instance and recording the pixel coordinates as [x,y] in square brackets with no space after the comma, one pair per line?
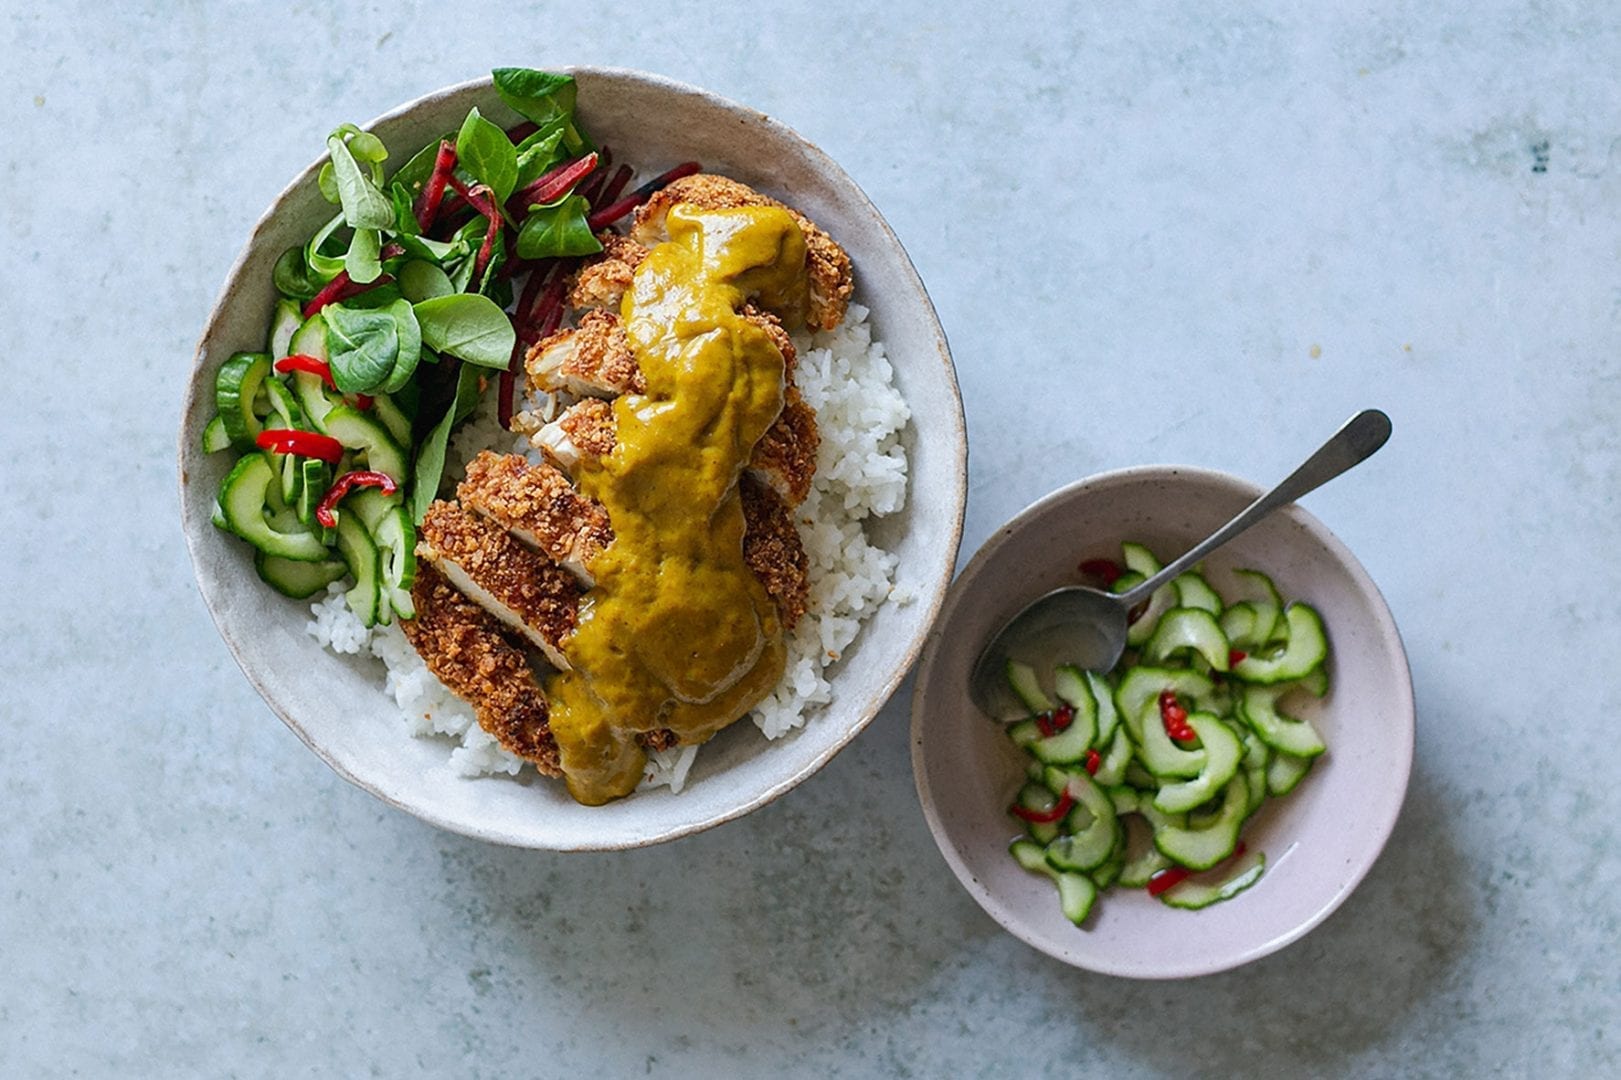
[860,472]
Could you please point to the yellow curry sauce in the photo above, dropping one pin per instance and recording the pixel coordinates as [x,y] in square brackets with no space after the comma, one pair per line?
[677,632]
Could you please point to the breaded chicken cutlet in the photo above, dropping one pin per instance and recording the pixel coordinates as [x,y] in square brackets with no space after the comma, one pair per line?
[539,506]
[827,267]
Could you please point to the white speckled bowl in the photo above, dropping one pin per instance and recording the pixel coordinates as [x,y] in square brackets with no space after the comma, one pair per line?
[1319,841]
[337,706]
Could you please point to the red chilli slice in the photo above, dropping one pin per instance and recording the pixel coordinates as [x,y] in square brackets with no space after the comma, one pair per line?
[301,443]
[343,486]
[1170,878]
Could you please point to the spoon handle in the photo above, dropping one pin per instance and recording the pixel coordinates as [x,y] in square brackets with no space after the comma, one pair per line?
[1350,445]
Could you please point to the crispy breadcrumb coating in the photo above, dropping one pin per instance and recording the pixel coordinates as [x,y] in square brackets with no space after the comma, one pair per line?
[601,280]
[785,456]
[523,588]
[827,267]
[592,359]
[539,505]
[773,550]
[466,649]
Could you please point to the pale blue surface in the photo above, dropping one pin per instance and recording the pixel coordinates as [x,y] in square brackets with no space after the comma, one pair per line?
[1141,225]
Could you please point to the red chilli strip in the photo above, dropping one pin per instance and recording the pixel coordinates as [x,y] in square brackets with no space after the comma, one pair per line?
[1091,762]
[343,486]
[301,362]
[610,214]
[1236,657]
[427,208]
[1105,570]
[550,186]
[1045,817]
[341,288]
[301,443]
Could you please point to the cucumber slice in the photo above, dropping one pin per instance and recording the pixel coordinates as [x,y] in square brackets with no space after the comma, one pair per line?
[1191,894]
[360,554]
[1126,800]
[1071,744]
[215,437]
[1285,772]
[1112,769]
[1192,591]
[284,404]
[314,480]
[1140,778]
[1103,698]
[1188,629]
[1223,755]
[1109,872]
[235,388]
[1249,626]
[1260,588]
[1035,796]
[1076,893]
[1257,756]
[1204,842]
[1138,699]
[314,399]
[245,495]
[389,523]
[1143,859]
[290,467]
[284,323]
[1258,707]
[360,432]
[1308,646]
[1140,560]
[398,424]
[298,580]
[1093,825]
[1022,678]
[1315,683]
[309,339]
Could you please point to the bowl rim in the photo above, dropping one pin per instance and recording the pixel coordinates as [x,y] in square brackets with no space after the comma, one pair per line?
[865,711]
[1384,623]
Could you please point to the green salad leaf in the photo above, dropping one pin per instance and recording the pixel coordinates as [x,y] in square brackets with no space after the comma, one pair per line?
[430,459]
[362,260]
[538,153]
[421,279]
[292,276]
[364,206]
[484,150]
[559,228]
[467,326]
[539,96]
[324,263]
[410,338]
[361,346]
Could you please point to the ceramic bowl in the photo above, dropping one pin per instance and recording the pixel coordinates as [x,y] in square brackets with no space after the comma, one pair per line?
[338,707]
[1319,841]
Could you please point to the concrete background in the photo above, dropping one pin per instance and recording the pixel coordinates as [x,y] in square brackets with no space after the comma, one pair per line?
[1155,232]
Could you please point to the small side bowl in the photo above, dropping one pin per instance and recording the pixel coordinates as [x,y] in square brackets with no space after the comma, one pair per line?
[1319,841]
[338,706]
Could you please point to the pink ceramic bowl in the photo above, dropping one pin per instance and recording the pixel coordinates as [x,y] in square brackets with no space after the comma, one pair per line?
[1319,841]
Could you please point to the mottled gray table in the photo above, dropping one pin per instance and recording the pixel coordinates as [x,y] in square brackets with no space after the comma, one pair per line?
[1153,234]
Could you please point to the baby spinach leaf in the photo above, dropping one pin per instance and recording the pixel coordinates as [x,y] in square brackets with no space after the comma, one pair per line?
[558,228]
[328,185]
[292,276]
[422,280]
[536,95]
[484,150]
[361,261]
[364,207]
[538,153]
[468,326]
[410,337]
[430,460]
[361,346]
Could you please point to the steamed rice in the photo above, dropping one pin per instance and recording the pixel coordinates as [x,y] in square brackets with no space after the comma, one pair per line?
[860,472]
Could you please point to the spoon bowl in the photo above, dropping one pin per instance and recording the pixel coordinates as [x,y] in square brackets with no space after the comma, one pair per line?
[1088,627]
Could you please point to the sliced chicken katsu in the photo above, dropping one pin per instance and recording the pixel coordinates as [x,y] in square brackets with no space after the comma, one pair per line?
[540,507]
[467,650]
[773,550]
[519,586]
[784,459]
[827,267]
[591,360]
[594,359]
[601,280]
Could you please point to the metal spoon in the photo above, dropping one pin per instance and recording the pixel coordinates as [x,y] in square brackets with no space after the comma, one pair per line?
[1087,627]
